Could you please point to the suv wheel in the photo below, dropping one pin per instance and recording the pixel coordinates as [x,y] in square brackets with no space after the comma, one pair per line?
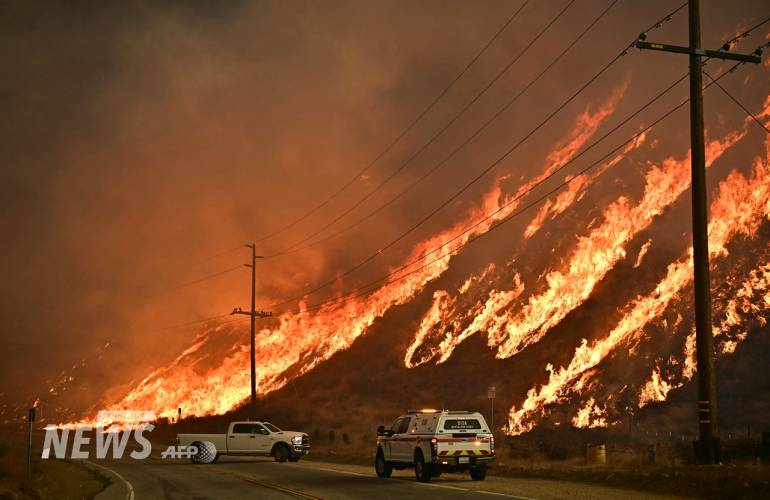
[479,473]
[423,471]
[383,468]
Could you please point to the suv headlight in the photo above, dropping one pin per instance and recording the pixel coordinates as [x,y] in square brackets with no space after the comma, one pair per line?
[296,440]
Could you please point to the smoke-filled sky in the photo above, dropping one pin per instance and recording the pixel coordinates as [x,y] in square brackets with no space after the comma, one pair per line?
[144,143]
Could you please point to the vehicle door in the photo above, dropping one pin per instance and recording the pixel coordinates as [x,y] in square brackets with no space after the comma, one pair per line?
[263,439]
[402,440]
[241,439]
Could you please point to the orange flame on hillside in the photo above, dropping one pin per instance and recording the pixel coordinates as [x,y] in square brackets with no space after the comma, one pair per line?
[304,339]
[428,334]
[655,389]
[590,416]
[740,207]
[750,301]
[595,255]
[576,190]
[598,252]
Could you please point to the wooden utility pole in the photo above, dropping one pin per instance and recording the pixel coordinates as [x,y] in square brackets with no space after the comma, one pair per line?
[254,314]
[708,445]
[30,423]
[704,343]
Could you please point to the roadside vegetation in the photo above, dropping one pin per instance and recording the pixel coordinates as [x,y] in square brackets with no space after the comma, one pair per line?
[59,479]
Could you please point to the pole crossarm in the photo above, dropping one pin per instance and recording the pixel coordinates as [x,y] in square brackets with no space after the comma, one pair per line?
[257,314]
[755,57]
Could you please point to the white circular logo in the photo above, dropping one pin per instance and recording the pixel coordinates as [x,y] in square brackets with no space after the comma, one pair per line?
[207,453]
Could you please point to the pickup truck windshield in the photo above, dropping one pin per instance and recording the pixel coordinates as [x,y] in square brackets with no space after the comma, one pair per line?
[271,427]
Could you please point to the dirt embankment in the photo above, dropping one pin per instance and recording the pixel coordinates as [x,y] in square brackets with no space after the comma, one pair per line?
[54,478]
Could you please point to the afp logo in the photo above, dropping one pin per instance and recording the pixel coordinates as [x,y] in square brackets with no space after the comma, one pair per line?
[200,452]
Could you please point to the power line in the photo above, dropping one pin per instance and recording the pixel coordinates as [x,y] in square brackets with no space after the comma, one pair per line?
[390,146]
[438,134]
[744,108]
[729,44]
[572,178]
[365,289]
[737,102]
[477,177]
[192,323]
[533,187]
[413,123]
[469,139]
[216,255]
[208,277]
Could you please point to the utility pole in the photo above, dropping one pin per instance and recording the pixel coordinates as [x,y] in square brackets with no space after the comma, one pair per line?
[30,421]
[253,314]
[708,446]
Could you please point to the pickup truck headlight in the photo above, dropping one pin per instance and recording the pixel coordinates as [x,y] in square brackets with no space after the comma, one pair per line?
[296,440]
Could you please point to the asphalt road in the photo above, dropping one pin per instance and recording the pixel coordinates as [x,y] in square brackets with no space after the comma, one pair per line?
[249,477]
[233,478]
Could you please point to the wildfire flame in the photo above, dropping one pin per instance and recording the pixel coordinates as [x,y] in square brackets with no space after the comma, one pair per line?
[590,416]
[598,252]
[741,205]
[567,288]
[304,339]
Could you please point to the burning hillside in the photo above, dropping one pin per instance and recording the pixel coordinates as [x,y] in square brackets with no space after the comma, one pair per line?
[518,304]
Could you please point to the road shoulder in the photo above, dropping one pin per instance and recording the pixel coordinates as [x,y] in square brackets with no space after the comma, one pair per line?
[539,489]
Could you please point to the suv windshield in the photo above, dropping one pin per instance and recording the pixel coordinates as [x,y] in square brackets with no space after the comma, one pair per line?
[271,427]
[461,424]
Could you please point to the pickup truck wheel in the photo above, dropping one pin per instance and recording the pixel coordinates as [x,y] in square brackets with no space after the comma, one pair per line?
[382,467]
[479,473]
[280,452]
[423,471]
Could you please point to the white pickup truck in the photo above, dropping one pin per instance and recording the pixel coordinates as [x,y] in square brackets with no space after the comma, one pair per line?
[435,441]
[250,438]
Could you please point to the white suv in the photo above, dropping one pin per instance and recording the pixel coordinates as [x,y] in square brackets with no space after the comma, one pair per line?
[435,441]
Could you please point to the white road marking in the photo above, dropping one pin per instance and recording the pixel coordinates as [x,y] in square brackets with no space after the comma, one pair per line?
[429,484]
[129,488]
[469,490]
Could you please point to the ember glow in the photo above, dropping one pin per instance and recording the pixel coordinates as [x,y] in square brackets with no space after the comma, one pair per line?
[740,312]
[740,207]
[590,415]
[200,130]
[577,189]
[656,389]
[433,329]
[598,252]
[568,287]
[304,339]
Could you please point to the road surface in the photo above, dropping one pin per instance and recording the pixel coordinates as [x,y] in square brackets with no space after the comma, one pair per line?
[249,477]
